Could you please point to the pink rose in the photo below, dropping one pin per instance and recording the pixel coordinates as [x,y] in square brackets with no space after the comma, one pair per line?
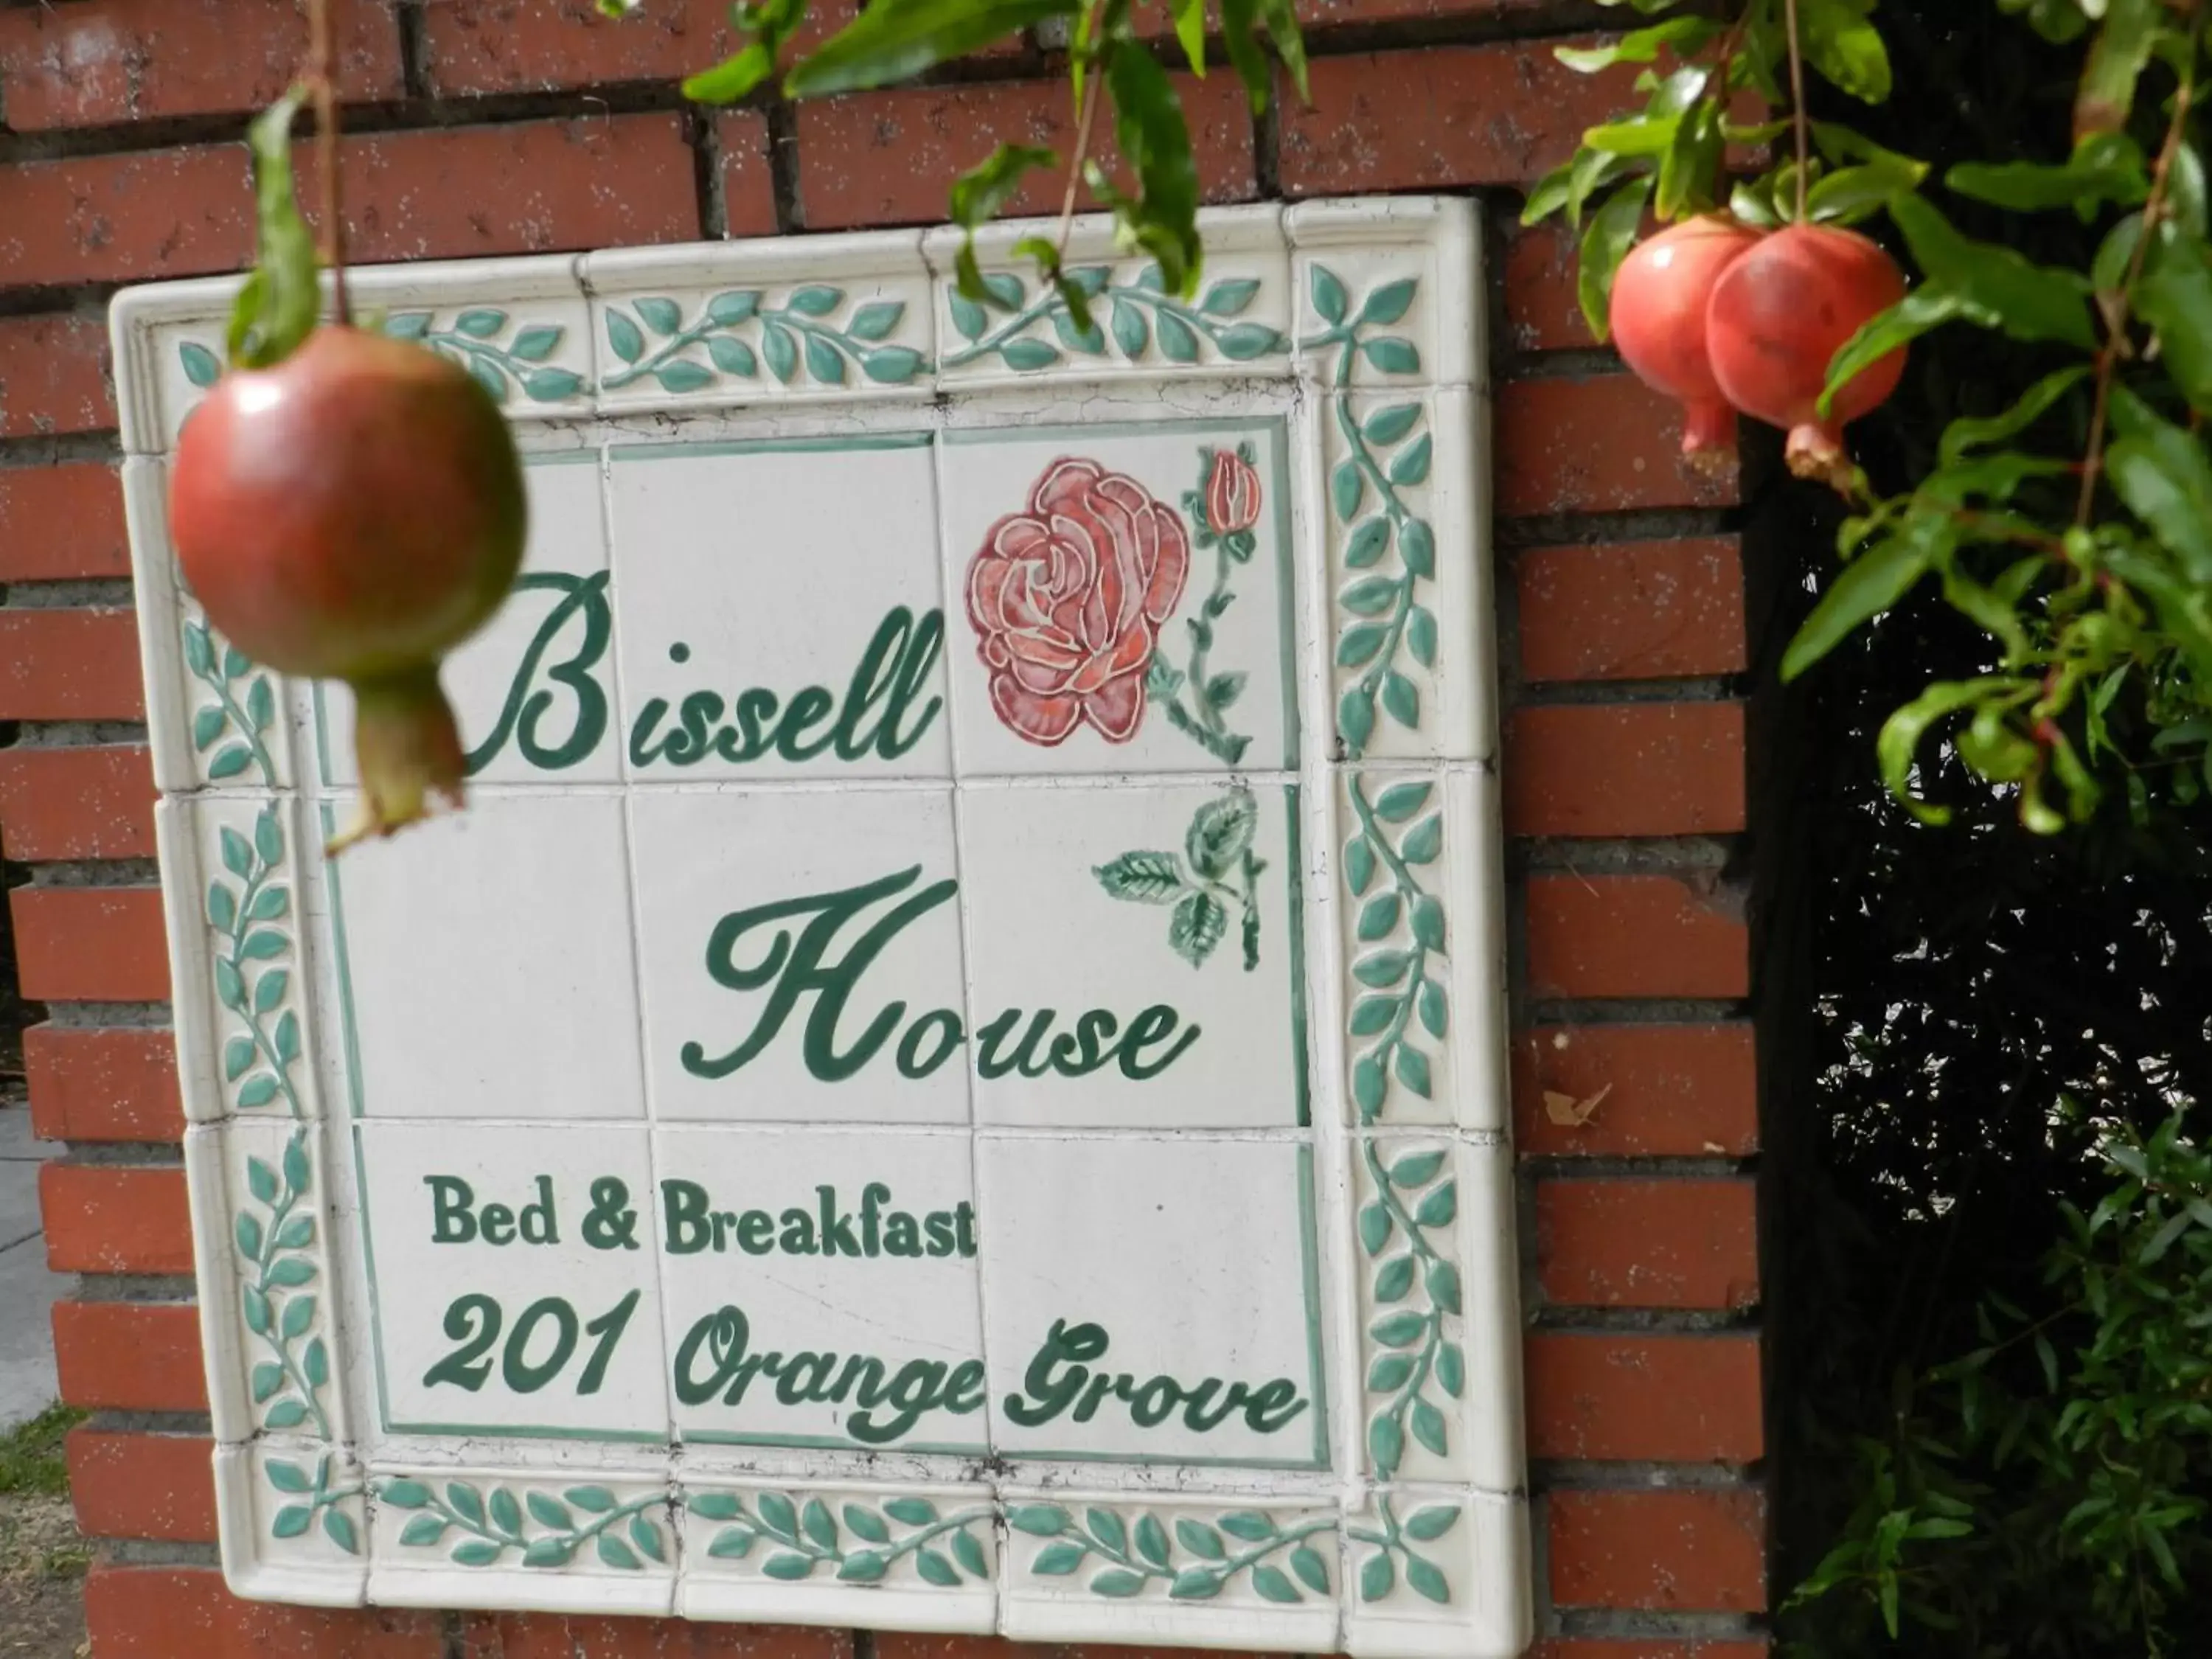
[1066,599]
[1233,494]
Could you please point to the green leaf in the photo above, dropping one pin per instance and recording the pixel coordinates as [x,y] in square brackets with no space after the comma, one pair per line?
[1387,425]
[551,1511]
[1844,48]
[732,356]
[1330,301]
[1392,355]
[1378,916]
[1377,1577]
[1389,1372]
[1147,877]
[1685,34]
[1039,1519]
[1900,736]
[1058,1560]
[1311,1569]
[1424,841]
[1412,1068]
[1196,928]
[1152,1540]
[1247,341]
[1200,1540]
[2117,59]
[1273,1585]
[681,376]
[1965,435]
[1424,1576]
[1360,642]
[1451,1368]
[1190,31]
[405,1494]
[1399,1330]
[1220,832]
[1355,718]
[1027,355]
[1393,1279]
[550,386]
[1428,1426]
[734,78]
[1850,193]
[1177,342]
[257,1092]
[1411,465]
[1400,801]
[895,40]
[1402,700]
[1370,1084]
[1430,1003]
[1442,1286]
[285,1415]
[278,307]
[1229,297]
[202,367]
[1421,635]
[875,320]
[482,323]
[1428,922]
[1386,1449]
[478,1553]
[1869,585]
[1131,332]
[2104,167]
[979,194]
[1379,969]
[2167,482]
[423,1529]
[1116,1582]
[1155,143]
[1416,1169]
[1611,234]
[1438,1206]
[1375,1223]
[781,350]
[299,1313]
[1388,303]
[623,337]
[2175,297]
[536,344]
[968,1552]
[2000,289]
[1371,596]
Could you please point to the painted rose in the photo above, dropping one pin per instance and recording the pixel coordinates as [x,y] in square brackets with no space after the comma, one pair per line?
[1067,598]
[1233,494]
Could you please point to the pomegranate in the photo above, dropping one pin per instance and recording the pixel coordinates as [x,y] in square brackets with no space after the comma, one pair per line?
[1776,318]
[1658,319]
[353,512]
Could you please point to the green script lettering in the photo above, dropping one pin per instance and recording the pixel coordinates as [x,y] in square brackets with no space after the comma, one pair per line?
[789,969]
[882,711]
[1059,1379]
[518,717]
[890,1400]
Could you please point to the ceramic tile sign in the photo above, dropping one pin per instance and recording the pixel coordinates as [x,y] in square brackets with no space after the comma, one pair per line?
[949,1076]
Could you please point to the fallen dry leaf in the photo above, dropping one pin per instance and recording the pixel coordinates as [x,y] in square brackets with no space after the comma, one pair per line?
[1569,1113]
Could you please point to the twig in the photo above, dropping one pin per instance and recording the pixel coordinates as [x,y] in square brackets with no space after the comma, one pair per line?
[321,72]
[1797,103]
[1086,116]
[2116,320]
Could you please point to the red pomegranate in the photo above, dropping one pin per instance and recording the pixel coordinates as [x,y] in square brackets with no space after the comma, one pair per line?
[1658,319]
[354,512]
[1776,318]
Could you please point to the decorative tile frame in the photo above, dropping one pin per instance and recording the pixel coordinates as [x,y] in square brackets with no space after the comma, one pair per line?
[1353,331]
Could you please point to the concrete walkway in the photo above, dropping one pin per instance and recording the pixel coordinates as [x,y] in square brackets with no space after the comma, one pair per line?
[27,1290]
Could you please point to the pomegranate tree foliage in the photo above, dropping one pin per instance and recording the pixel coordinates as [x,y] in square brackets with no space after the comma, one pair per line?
[2072,522]
[1108,64]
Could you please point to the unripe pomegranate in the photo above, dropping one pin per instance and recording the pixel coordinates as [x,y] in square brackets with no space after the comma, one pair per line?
[1777,317]
[353,512]
[1658,319]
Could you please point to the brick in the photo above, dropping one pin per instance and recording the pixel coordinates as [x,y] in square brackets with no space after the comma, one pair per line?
[129,1356]
[1672,1243]
[884,158]
[1670,1551]
[54,375]
[62,523]
[183,212]
[1543,311]
[115,1218]
[1632,610]
[1635,936]
[69,665]
[747,187]
[99,62]
[550,1636]
[1324,13]
[143,1486]
[1648,1648]
[1659,1091]
[474,46]
[103,1083]
[1606,444]
[914,1645]
[91,944]
[1442,116]
[522,187]
[1642,1397]
[185,1613]
[1634,768]
[93,801]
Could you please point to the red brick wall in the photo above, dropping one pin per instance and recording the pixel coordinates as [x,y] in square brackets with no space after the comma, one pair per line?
[510,126]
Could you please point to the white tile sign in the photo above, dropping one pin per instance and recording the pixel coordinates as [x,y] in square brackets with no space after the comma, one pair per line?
[949,1076]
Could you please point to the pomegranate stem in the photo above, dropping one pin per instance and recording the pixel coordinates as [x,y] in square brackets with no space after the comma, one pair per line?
[322,69]
[1797,101]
